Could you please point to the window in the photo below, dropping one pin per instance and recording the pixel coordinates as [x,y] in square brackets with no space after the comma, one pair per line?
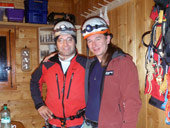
[3,60]
[7,59]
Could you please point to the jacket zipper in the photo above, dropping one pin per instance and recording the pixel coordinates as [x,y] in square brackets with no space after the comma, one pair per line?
[70,85]
[63,90]
[58,86]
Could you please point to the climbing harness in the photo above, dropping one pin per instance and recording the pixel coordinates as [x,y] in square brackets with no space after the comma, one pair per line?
[79,114]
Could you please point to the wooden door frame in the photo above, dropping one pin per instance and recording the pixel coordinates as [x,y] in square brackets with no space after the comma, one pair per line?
[10,39]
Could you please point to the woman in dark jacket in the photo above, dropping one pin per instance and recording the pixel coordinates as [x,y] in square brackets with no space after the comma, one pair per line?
[112,90]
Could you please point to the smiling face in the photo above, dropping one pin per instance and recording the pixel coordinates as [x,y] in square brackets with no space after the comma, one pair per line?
[98,44]
[66,46]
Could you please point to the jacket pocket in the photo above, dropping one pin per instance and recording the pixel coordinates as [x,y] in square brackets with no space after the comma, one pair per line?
[58,86]
[70,85]
[119,107]
[120,112]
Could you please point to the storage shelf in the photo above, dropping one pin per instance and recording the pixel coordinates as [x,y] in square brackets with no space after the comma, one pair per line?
[46,43]
[13,24]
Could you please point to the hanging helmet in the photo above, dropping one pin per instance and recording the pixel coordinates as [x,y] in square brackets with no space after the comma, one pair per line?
[64,27]
[94,25]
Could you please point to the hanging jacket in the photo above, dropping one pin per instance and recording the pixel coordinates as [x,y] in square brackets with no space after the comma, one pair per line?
[65,94]
[120,100]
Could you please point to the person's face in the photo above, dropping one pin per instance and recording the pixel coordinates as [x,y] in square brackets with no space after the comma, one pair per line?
[66,46]
[98,44]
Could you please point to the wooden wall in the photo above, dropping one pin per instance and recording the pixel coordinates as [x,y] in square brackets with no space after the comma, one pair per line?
[127,23]
[82,6]
[60,6]
[19,100]
[26,36]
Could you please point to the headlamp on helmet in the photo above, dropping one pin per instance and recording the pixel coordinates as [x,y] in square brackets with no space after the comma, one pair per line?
[64,27]
[90,28]
[94,25]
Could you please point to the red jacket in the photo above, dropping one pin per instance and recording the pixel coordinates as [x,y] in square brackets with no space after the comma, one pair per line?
[120,100]
[65,94]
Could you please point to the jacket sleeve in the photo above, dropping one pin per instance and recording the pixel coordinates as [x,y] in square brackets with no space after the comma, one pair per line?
[36,87]
[130,91]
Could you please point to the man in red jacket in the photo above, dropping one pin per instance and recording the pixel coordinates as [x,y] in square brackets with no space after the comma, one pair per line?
[64,75]
[112,85]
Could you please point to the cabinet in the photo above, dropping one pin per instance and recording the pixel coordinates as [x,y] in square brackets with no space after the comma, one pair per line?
[47,44]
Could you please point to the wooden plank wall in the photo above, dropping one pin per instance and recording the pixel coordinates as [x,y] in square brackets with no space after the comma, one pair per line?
[25,111]
[19,101]
[60,6]
[82,6]
[128,23]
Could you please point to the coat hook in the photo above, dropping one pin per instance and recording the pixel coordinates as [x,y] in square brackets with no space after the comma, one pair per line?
[83,15]
[106,1]
[90,10]
[87,13]
[101,4]
[95,8]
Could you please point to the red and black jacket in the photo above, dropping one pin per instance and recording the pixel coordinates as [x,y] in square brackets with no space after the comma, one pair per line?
[65,94]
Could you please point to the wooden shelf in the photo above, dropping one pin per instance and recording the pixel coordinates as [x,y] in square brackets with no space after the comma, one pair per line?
[14,24]
[46,43]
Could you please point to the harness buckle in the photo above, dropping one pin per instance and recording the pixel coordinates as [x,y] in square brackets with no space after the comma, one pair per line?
[63,123]
[72,117]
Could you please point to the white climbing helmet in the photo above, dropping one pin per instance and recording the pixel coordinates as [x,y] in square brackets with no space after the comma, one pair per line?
[64,27]
[94,25]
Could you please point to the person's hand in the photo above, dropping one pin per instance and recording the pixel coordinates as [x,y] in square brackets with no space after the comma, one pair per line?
[49,56]
[45,112]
